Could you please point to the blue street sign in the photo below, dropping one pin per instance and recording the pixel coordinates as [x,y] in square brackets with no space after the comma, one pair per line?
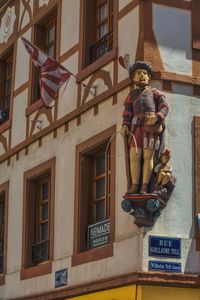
[164,266]
[164,247]
[61,278]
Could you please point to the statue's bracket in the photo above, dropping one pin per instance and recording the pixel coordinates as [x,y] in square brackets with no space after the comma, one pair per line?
[145,208]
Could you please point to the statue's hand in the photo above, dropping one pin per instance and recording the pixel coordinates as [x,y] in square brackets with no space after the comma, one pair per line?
[124,131]
[151,120]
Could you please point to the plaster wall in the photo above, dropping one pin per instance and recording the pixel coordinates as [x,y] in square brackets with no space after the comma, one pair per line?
[123,3]
[63,148]
[69,25]
[5,135]
[19,118]
[22,62]
[68,93]
[26,17]
[173,38]
[176,219]
[128,38]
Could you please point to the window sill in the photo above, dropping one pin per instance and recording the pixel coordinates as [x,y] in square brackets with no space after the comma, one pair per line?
[2,279]
[34,106]
[103,60]
[39,270]
[5,126]
[92,255]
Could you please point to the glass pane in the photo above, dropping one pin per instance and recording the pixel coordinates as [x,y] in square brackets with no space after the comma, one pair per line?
[100,187]
[51,51]
[45,190]
[8,69]
[1,218]
[7,101]
[103,12]
[45,211]
[8,86]
[1,247]
[100,165]
[51,34]
[103,29]
[100,210]
[44,231]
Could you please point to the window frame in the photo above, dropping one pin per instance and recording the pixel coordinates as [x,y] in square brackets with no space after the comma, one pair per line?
[82,254]
[85,71]
[35,174]
[4,188]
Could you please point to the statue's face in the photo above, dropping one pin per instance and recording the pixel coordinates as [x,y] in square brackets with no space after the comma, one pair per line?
[141,78]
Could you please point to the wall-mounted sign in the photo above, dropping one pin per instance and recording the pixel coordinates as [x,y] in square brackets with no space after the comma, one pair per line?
[99,234]
[61,277]
[164,247]
[164,266]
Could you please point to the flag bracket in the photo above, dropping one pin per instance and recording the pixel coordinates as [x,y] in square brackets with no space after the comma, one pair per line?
[93,90]
[39,124]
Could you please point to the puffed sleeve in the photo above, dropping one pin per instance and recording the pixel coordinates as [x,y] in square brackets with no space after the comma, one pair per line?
[128,112]
[161,103]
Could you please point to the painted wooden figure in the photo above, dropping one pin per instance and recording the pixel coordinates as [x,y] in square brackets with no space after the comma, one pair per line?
[143,126]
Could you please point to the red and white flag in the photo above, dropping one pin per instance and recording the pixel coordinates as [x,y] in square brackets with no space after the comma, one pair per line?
[52,74]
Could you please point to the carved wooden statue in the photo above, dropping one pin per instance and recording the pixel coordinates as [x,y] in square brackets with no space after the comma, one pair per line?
[143,126]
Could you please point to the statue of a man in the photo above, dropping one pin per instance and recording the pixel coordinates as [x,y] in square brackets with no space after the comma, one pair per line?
[144,114]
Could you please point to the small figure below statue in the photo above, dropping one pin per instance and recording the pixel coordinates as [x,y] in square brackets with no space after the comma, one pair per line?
[163,170]
[149,175]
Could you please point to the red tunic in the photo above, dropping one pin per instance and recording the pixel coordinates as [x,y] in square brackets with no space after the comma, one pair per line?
[138,103]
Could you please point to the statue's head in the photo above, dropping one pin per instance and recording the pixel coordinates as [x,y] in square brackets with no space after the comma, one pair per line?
[165,156]
[140,73]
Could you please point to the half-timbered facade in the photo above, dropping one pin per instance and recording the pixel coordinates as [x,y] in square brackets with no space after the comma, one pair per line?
[62,169]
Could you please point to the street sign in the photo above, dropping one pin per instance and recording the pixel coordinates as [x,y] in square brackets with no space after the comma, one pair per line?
[164,247]
[61,278]
[164,266]
[99,234]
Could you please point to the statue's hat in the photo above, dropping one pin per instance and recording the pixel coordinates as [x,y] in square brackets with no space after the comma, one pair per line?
[140,65]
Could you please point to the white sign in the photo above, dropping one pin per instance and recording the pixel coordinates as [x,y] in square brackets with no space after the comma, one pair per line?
[7,24]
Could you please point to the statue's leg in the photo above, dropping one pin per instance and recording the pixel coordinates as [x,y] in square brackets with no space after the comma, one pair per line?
[135,159]
[160,177]
[148,154]
[166,178]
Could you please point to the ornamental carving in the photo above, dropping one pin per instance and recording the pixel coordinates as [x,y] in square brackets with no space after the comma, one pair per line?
[7,24]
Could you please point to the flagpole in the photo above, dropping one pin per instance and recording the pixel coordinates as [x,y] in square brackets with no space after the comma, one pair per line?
[81,82]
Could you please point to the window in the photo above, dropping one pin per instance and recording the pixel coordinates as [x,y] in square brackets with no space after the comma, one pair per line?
[3,229]
[38,215]
[197,181]
[45,39]
[99,23]
[99,180]
[95,180]
[6,68]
